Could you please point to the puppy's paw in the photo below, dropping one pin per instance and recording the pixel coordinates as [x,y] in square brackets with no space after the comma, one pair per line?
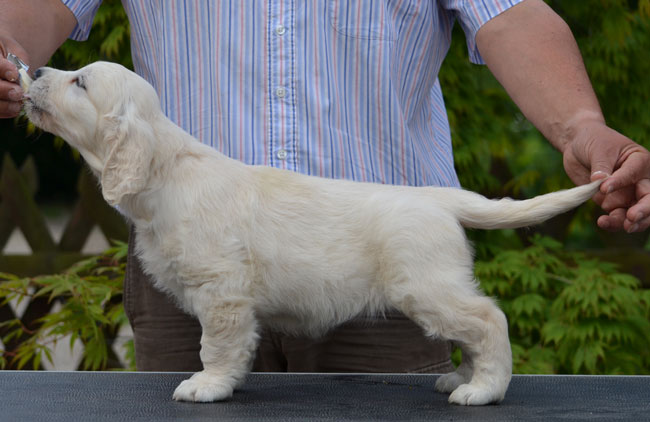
[471,395]
[203,387]
[449,382]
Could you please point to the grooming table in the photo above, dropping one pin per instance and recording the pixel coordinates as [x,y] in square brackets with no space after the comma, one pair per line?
[130,396]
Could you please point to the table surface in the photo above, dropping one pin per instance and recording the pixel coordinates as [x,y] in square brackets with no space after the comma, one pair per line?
[131,396]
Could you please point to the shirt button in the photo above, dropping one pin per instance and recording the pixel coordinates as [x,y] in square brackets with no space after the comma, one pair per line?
[281,92]
[280,30]
[281,154]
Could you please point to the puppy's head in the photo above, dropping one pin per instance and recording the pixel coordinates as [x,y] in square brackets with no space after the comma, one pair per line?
[106,112]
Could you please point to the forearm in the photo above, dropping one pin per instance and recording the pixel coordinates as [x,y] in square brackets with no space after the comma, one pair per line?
[38,26]
[533,54]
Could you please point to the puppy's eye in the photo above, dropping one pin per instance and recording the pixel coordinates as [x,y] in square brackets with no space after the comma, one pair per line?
[79,82]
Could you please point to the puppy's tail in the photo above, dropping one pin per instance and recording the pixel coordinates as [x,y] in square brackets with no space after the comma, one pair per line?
[477,212]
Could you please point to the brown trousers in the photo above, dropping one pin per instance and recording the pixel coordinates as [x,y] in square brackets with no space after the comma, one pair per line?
[167,339]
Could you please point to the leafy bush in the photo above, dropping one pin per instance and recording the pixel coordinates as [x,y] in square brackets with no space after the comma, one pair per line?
[568,313]
[90,294]
[108,40]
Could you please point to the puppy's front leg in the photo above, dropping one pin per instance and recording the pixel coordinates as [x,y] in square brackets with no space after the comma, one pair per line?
[228,346]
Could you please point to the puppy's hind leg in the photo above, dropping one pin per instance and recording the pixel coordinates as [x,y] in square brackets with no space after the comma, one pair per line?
[228,347]
[463,375]
[457,312]
[490,357]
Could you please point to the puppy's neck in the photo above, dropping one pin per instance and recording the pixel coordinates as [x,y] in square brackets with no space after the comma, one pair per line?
[137,209]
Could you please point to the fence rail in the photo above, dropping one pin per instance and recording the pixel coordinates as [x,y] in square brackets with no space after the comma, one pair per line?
[18,209]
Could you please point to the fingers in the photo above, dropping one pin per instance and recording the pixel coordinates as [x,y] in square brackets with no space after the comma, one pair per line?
[622,198]
[613,221]
[8,70]
[627,193]
[635,167]
[10,99]
[624,195]
[11,93]
[627,209]
[616,221]
[638,226]
[638,215]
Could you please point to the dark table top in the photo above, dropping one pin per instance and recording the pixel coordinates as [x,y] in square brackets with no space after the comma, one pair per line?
[129,396]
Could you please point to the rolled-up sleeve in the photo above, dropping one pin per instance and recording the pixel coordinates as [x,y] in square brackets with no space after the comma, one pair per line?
[84,11]
[473,14]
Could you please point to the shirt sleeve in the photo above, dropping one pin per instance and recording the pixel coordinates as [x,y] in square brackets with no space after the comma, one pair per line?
[84,11]
[473,14]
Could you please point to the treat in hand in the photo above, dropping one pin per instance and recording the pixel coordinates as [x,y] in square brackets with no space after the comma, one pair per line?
[23,76]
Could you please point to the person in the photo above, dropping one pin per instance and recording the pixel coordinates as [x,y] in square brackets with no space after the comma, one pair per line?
[343,89]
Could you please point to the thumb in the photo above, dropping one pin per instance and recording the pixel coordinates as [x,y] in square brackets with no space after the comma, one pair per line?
[602,165]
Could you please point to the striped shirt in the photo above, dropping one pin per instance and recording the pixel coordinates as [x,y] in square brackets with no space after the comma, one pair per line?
[336,88]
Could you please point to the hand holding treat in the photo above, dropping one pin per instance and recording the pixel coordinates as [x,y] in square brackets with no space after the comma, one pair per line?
[12,71]
[23,77]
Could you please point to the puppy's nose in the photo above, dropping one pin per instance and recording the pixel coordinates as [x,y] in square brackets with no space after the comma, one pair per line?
[39,72]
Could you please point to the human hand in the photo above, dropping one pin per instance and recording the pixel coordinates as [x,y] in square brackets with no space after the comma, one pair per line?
[597,151]
[11,93]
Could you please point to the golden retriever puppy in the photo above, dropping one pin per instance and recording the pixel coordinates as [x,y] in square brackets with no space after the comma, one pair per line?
[238,246]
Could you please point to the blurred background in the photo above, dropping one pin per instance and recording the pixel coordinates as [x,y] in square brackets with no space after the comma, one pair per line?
[576,297]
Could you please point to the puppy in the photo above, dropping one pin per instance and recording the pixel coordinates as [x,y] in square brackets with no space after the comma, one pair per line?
[239,245]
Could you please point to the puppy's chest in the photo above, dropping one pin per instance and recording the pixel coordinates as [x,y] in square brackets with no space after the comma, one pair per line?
[176,256]
[159,255]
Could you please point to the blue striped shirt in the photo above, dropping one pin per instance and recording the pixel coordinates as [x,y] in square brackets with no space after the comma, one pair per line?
[336,88]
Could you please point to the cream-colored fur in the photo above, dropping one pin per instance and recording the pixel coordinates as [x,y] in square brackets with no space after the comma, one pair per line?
[241,246]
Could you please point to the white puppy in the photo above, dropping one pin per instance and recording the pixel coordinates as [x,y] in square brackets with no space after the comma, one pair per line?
[239,246]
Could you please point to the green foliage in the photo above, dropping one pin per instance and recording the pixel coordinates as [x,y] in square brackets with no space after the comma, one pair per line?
[108,40]
[614,38]
[567,313]
[90,294]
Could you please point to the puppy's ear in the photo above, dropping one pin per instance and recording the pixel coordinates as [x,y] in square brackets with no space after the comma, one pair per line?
[129,142]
